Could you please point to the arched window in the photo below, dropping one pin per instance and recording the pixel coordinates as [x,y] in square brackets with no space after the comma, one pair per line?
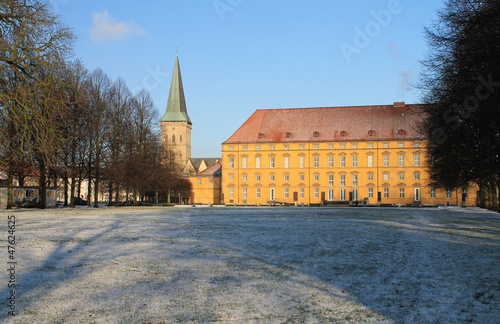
[180,138]
[173,138]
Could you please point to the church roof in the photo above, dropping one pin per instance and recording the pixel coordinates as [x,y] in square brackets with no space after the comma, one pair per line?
[176,105]
[358,123]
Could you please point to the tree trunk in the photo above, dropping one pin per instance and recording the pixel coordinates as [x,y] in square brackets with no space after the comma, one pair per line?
[66,185]
[72,192]
[42,184]
[10,189]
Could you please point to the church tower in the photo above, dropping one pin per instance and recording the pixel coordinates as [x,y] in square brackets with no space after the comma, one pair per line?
[175,124]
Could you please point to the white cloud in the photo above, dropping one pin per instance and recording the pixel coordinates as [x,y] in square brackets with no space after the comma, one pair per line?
[106,28]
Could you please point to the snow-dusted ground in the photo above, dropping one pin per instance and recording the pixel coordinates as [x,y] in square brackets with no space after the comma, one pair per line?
[282,265]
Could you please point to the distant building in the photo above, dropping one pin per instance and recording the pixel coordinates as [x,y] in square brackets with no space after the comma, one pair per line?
[176,126]
[371,154]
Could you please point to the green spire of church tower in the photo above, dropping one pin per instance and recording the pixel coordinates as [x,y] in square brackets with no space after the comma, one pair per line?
[176,105]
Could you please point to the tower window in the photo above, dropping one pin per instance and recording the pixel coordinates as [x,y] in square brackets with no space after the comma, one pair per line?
[173,138]
[180,138]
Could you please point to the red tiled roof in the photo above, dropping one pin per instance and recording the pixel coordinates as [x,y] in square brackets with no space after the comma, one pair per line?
[329,124]
[212,169]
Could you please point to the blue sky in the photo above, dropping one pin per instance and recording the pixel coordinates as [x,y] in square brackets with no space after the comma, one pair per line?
[237,56]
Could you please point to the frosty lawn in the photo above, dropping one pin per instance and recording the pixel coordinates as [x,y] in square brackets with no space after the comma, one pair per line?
[295,265]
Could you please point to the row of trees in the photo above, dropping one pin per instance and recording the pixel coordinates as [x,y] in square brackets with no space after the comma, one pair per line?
[461,84]
[58,118]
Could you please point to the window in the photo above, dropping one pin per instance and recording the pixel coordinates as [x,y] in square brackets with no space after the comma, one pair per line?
[210,182]
[316,192]
[371,132]
[354,194]
[330,147]
[245,148]
[316,147]
[448,193]
[231,148]
[401,132]
[244,193]
[231,163]
[257,177]
[370,176]
[354,180]
[315,134]
[316,161]
[401,192]
[354,146]
[244,178]
[287,177]
[257,148]
[257,162]
[173,138]
[257,192]
[271,162]
[342,161]
[370,192]
[370,145]
[386,192]
[433,192]
[386,160]
[288,135]
[271,177]
[301,177]
[331,194]
[301,147]
[330,180]
[286,162]
[370,161]
[343,194]
[416,144]
[301,161]
[260,135]
[386,145]
[354,161]
[416,176]
[330,161]
[342,180]
[386,176]
[287,192]
[301,192]
[401,176]
[287,147]
[343,134]
[243,162]
[180,138]
[401,160]
[401,145]
[464,193]
[231,177]
[231,192]
[271,147]
[416,160]
[342,146]
[316,177]
[199,182]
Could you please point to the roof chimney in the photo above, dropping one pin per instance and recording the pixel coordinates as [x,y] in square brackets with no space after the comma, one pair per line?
[399,104]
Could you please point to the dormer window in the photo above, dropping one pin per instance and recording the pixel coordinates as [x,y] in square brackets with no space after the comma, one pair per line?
[371,132]
[343,134]
[260,135]
[288,135]
[316,134]
[401,132]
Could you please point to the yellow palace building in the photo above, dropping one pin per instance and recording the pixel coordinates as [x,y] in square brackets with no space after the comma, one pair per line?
[309,156]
